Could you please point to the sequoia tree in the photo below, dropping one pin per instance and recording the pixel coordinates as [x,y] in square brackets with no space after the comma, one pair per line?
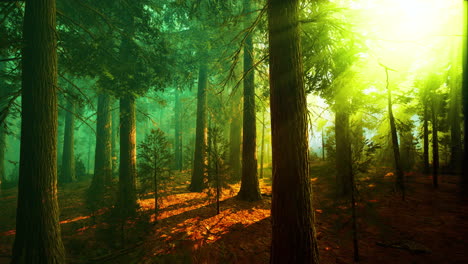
[249,190]
[201,133]
[37,211]
[292,214]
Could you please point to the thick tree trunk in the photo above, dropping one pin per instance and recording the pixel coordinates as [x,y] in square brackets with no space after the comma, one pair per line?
[400,185]
[343,151]
[235,136]
[102,156]
[426,141]
[68,153]
[249,190]
[201,134]
[435,148]
[38,238]
[178,133]
[465,105]
[292,213]
[127,168]
[455,130]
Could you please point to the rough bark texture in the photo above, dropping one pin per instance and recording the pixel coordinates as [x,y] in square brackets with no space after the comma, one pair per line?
[103,157]
[292,214]
[127,168]
[38,238]
[178,133]
[249,190]
[68,153]
[343,152]
[235,136]
[201,134]
[426,141]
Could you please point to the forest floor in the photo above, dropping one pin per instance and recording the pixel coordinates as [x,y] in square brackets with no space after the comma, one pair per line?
[430,226]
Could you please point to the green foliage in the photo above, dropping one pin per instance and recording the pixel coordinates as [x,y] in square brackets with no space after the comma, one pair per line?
[154,160]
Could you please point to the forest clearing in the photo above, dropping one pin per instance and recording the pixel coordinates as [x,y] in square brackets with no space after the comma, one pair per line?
[429,227]
[233,131]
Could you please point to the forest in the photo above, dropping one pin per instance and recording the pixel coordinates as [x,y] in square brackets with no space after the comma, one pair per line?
[233,131]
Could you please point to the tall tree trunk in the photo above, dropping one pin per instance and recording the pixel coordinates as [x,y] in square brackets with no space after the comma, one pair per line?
[201,133]
[127,168]
[68,153]
[292,213]
[465,104]
[400,185]
[455,129]
[343,151]
[178,132]
[235,136]
[115,129]
[3,95]
[38,237]
[262,146]
[435,147]
[249,190]
[426,140]
[102,157]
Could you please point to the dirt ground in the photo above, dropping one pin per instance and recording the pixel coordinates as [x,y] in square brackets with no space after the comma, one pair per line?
[429,226]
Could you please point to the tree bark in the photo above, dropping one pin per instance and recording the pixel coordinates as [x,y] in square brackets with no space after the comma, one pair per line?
[435,147]
[426,141]
[400,185]
[465,105]
[292,213]
[68,153]
[3,94]
[114,135]
[103,156]
[249,190]
[343,151]
[201,134]
[127,168]
[178,133]
[38,237]
[456,151]
[235,136]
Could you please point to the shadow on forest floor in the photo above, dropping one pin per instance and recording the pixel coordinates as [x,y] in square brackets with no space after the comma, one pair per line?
[189,231]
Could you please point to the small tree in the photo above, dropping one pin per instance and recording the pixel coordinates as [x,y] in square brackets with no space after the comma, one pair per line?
[155,162]
[217,166]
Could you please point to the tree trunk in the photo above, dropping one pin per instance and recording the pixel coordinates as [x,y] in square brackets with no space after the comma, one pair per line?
[343,151]
[249,190]
[426,141]
[262,146]
[102,157]
[435,148]
[292,213]
[400,185]
[38,237]
[115,129]
[178,133]
[127,168]
[68,153]
[455,130]
[323,146]
[201,134]
[235,136]
[3,94]
[465,105]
